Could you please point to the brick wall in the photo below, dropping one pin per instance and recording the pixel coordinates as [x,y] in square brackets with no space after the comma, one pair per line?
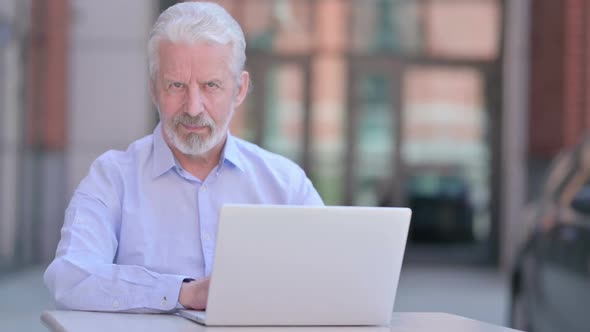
[558,90]
[47,76]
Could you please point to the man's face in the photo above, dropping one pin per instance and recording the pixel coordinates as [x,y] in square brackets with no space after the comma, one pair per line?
[196,94]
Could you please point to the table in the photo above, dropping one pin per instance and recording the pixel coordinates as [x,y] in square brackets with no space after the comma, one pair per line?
[72,321]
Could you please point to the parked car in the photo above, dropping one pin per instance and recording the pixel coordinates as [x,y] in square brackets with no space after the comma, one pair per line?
[550,281]
[441,208]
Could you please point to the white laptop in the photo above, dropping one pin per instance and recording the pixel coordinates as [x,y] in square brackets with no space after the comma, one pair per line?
[302,265]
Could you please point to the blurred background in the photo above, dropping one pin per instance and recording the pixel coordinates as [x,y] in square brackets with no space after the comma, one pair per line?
[454,108]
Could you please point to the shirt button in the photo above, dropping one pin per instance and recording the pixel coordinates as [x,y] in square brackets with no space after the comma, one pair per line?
[203,188]
[115,304]
[207,237]
[164,302]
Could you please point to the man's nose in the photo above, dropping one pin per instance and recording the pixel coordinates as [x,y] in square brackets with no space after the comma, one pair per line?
[195,101]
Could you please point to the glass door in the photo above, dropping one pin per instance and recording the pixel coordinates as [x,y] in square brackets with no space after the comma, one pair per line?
[447,152]
[276,113]
[373,166]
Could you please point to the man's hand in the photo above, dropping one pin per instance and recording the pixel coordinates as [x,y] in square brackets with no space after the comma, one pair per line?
[193,295]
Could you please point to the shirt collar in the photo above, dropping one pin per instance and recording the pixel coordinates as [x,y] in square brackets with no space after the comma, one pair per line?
[164,159]
[232,153]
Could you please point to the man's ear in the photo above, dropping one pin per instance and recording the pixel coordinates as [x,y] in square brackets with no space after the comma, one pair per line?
[244,81]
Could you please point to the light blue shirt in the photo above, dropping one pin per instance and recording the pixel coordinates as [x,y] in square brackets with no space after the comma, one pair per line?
[138,224]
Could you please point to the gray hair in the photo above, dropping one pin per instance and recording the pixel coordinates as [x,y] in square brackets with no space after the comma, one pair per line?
[192,22]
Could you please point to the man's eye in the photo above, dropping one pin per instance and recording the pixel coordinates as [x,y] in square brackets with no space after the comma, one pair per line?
[177,85]
[212,85]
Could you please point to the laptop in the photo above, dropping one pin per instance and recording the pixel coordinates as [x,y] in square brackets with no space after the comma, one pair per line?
[305,266]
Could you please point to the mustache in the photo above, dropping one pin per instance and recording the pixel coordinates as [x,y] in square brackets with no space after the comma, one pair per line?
[199,120]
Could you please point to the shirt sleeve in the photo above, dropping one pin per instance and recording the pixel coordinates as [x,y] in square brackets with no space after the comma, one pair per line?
[306,192]
[83,275]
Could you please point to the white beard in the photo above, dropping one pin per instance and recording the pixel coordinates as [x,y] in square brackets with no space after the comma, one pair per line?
[193,144]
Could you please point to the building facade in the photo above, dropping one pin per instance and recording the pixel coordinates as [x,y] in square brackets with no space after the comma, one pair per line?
[383,102]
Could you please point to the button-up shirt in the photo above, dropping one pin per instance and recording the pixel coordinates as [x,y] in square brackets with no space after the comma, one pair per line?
[138,224]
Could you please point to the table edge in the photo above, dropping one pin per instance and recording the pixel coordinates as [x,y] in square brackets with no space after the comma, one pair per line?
[50,322]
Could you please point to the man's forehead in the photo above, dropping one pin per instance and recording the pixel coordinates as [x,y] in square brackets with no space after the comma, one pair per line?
[207,57]
[203,50]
